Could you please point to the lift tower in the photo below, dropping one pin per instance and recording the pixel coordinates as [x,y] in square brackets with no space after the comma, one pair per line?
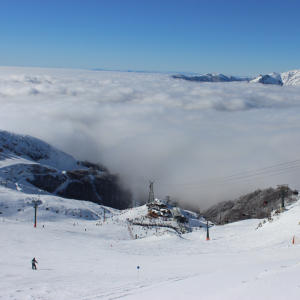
[168,199]
[283,188]
[151,193]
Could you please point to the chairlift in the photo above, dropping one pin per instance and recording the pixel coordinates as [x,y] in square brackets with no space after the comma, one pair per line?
[295,192]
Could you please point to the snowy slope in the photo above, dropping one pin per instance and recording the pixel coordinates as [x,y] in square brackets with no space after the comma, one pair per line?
[35,150]
[266,79]
[291,77]
[86,258]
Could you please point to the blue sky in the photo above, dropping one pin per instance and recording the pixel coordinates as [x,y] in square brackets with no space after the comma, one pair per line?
[230,37]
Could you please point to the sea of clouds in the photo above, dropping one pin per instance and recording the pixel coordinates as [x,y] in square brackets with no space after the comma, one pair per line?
[151,126]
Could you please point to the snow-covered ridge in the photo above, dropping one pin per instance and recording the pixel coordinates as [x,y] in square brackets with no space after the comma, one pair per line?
[286,78]
[36,150]
[32,166]
[291,77]
[267,79]
[211,77]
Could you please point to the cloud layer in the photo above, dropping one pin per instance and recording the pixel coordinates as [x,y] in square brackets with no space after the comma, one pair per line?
[152,126]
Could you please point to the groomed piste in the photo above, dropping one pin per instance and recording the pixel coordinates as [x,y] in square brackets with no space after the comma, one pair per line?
[82,257]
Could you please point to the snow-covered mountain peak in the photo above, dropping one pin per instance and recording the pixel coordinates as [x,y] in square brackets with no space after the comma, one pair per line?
[267,79]
[291,77]
[287,78]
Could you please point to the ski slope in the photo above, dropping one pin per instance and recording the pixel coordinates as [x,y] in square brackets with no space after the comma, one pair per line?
[87,258]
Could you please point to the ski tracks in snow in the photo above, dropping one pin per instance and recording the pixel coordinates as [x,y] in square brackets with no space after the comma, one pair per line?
[132,289]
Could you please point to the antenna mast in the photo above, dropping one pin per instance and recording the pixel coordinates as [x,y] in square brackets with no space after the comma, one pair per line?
[151,193]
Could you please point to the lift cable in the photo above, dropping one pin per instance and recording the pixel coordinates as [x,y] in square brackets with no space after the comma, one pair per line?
[212,184]
[280,167]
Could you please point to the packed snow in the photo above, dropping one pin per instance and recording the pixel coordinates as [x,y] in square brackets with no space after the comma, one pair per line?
[81,256]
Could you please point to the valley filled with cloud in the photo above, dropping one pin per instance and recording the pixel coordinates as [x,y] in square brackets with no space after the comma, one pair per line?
[151,126]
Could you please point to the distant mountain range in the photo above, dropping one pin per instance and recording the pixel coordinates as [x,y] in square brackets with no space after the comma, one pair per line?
[286,78]
[211,77]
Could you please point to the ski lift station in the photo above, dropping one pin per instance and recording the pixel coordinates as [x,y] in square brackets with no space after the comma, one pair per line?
[176,212]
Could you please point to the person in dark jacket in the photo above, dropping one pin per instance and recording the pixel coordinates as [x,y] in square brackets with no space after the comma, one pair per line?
[33,264]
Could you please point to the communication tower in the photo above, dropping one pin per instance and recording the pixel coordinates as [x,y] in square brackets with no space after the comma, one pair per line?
[151,193]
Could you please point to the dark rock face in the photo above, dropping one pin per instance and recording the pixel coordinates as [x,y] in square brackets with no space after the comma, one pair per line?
[97,167]
[111,191]
[257,204]
[47,182]
[80,190]
[77,174]
[103,189]
[38,169]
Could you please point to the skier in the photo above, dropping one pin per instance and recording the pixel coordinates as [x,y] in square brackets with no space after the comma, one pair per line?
[33,264]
